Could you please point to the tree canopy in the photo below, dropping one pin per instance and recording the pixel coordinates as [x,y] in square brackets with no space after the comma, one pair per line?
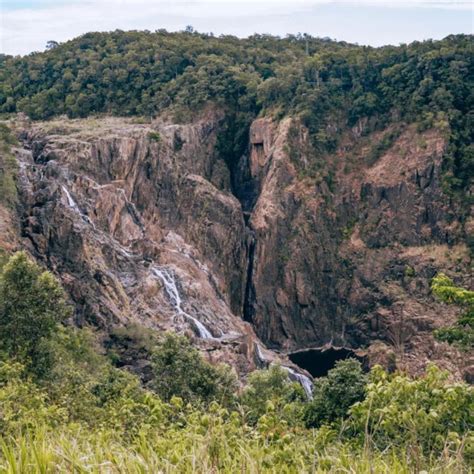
[330,85]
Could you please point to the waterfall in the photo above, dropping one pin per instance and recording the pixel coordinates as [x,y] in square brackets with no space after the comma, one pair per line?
[172,291]
[70,201]
[261,358]
[302,379]
[72,204]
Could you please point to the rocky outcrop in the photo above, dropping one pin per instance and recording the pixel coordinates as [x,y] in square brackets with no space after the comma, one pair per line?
[347,261]
[141,228]
[291,249]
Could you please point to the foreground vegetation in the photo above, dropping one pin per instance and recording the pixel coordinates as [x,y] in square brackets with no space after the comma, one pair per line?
[64,406]
[462,333]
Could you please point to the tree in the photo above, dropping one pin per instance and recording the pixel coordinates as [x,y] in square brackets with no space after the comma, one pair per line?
[462,333]
[272,388]
[180,371]
[51,44]
[422,413]
[32,303]
[334,394]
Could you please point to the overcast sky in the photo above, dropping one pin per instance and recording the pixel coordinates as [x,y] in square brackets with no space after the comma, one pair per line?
[26,25]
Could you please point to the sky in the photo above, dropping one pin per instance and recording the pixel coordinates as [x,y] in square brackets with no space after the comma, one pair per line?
[26,25]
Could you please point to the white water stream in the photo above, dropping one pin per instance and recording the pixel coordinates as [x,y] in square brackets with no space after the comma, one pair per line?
[302,379]
[70,201]
[172,291]
[73,205]
[260,355]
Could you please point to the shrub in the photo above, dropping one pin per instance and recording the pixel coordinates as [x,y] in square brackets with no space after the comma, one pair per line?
[462,333]
[425,412]
[180,371]
[24,406]
[32,302]
[8,167]
[77,370]
[154,136]
[334,394]
[272,390]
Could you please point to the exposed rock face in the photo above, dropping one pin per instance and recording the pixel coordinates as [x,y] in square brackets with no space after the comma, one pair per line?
[140,223]
[137,230]
[350,264]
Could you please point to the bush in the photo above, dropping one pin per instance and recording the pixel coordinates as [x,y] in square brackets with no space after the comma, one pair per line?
[272,390]
[180,371]
[462,333]
[154,136]
[24,406]
[334,394]
[77,370]
[8,167]
[425,412]
[32,302]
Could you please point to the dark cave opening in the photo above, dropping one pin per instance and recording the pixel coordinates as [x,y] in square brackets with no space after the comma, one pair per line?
[318,362]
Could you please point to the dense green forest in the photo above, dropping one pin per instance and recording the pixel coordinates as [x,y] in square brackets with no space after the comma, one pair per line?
[330,85]
[66,406]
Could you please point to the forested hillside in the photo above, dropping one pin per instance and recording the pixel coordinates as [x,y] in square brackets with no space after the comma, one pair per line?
[331,85]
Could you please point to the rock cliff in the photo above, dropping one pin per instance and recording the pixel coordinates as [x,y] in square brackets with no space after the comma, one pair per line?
[289,252]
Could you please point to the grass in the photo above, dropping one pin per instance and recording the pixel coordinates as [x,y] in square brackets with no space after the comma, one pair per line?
[191,451]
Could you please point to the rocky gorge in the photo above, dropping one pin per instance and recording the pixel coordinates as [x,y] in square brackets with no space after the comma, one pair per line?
[282,254]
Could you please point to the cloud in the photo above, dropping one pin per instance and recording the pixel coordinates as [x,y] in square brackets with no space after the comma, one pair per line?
[30,25]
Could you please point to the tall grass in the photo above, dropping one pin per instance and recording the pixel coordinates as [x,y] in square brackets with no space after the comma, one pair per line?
[186,451]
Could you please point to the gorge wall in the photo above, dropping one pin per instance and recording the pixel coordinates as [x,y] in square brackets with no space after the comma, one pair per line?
[287,250]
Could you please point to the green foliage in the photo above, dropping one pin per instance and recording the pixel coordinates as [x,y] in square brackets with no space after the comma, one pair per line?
[426,412]
[271,391]
[223,449]
[24,405]
[84,415]
[409,271]
[154,136]
[79,375]
[462,333]
[32,302]
[444,288]
[330,85]
[334,394]
[180,371]
[8,167]
[140,433]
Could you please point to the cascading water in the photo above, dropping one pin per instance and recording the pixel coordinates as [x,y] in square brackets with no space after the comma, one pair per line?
[72,204]
[172,291]
[261,358]
[70,201]
[302,379]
